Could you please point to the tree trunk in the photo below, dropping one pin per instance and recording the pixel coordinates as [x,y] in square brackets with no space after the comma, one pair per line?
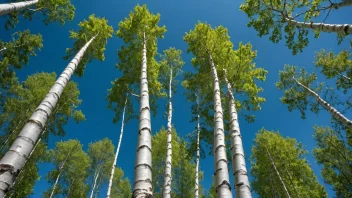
[338,28]
[117,151]
[167,176]
[7,8]
[143,167]
[95,182]
[13,161]
[223,188]
[242,186]
[278,174]
[196,189]
[334,113]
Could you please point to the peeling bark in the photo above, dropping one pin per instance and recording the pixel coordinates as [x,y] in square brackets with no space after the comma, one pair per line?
[14,159]
[242,186]
[196,188]
[223,188]
[143,167]
[334,113]
[117,151]
[323,27]
[167,175]
[7,8]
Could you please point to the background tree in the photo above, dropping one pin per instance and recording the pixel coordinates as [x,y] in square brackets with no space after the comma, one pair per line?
[183,169]
[121,187]
[71,166]
[276,17]
[288,156]
[21,100]
[140,33]
[58,11]
[171,65]
[101,155]
[334,153]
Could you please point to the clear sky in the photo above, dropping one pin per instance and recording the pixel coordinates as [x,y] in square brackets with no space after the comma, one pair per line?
[179,17]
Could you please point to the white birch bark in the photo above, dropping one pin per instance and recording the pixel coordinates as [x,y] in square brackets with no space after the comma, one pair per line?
[334,113]
[278,174]
[15,158]
[96,176]
[196,188]
[143,167]
[7,8]
[167,175]
[117,151]
[323,27]
[242,186]
[223,187]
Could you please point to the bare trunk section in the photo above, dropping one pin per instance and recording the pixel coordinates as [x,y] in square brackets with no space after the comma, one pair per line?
[117,151]
[196,188]
[167,175]
[242,186]
[15,158]
[223,187]
[143,167]
[278,174]
[323,27]
[96,176]
[7,8]
[334,113]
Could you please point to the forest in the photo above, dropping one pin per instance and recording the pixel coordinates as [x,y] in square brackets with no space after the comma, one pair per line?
[179,99]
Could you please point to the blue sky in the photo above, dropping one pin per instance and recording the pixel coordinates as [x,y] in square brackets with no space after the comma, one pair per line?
[179,17]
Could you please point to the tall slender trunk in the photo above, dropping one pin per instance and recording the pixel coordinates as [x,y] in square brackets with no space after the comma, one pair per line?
[242,186]
[117,151]
[334,113]
[14,159]
[323,27]
[96,176]
[223,187]
[196,188]
[143,167]
[7,8]
[278,174]
[61,168]
[167,175]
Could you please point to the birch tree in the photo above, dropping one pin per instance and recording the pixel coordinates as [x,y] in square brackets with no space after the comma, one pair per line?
[209,46]
[276,17]
[58,11]
[12,162]
[298,93]
[21,100]
[171,65]
[71,167]
[101,155]
[140,32]
[289,158]
[122,186]
[183,170]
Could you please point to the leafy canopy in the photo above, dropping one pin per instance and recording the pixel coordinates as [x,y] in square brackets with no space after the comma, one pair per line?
[57,11]
[94,26]
[288,156]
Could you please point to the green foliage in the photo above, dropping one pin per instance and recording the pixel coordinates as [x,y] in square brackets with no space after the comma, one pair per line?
[94,26]
[101,155]
[336,66]
[131,31]
[20,102]
[121,188]
[183,171]
[335,155]
[73,163]
[57,11]
[15,54]
[288,156]
[272,18]
[295,96]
